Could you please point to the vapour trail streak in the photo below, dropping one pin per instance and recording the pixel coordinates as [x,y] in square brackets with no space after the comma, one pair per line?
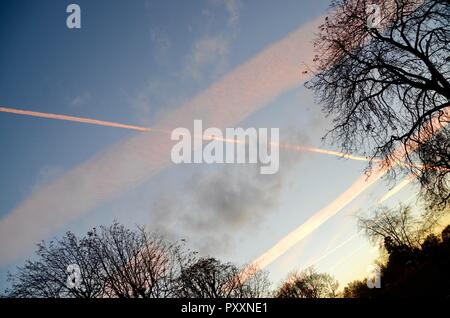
[75,119]
[407,180]
[97,122]
[355,235]
[359,186]
[286,146]
[326,152]
[344,259]
[334,249]
[91,121]
[132,162]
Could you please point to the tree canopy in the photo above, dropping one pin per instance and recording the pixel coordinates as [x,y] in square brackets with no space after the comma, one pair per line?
[387,86]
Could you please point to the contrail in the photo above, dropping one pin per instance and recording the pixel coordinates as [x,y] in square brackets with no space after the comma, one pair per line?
[345,242]
[132,162]
[84,120]
[359,186]
[97,122]
[76,119]
[325,152]
[355,235]
[348,257]
[407,180]
[316,220]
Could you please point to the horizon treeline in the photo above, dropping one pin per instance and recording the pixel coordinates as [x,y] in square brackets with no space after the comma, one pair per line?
[119,262]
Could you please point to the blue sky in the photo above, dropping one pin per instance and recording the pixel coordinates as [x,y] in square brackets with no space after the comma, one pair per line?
[137,61]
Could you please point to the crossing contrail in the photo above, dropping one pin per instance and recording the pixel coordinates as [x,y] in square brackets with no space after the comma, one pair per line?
[75,119]
[359,186]
[407,180]
[334,249]
[397,188]
[84,120]
[129,163]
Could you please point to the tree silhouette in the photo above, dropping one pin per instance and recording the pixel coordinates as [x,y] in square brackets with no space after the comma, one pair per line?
[397,227]
[119,262]
[113,262]
[357,289]
[308,284]
[446,235]
[416,265]
[137,264]
[210,278]
[47,276]
[383,85]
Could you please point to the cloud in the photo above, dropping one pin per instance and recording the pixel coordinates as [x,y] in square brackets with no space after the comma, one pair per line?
[209,55]
[231,198]
[233,7]
[132,162]
[80,100]
[204,61]
[215,202]
[161,43]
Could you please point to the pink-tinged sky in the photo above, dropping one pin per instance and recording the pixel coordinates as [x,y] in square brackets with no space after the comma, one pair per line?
[230,63]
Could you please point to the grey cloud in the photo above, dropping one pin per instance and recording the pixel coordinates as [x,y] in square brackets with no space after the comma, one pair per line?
[216,204]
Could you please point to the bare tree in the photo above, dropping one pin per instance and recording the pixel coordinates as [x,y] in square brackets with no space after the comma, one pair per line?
[308,284]
[435,181]
[209,278]
[136,264]
[113,262]
[48,275]
[388,85]
[118,262]
[397,227]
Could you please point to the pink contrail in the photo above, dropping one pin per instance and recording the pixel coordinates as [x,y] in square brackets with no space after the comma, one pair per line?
[132,162]
[325,152]
[84,120]
[74,119]
[286,146]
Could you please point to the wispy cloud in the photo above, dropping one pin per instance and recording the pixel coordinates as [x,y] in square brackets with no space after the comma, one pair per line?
[233,7]
[219,202]
[132,162]
[161,42]
[204,61]
[210,52]
[209,55]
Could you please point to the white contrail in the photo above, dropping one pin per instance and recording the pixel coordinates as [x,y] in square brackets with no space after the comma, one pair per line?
[407,180]
[359,186]
[344,259]
[132,162]
[316,220]
[334,249]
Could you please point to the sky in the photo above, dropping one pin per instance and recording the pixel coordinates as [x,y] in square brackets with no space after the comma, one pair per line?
[162,64]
